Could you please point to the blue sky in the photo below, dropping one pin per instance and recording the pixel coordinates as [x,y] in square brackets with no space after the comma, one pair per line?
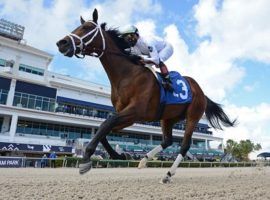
[223,44]
[254,87]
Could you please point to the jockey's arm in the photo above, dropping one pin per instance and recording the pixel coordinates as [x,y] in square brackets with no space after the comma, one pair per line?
[154,57]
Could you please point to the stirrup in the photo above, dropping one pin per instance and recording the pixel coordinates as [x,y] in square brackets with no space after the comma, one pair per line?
[167,78]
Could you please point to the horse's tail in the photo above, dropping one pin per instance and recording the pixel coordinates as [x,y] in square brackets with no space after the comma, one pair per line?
[215,114]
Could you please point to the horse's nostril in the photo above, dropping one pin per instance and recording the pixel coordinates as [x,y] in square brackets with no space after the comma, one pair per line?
[62,43]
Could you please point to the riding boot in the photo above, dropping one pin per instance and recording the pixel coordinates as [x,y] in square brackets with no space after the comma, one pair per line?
[167,83]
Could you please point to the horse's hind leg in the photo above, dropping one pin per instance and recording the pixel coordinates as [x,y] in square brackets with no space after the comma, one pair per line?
[167,126]
[184,148]
[194,114]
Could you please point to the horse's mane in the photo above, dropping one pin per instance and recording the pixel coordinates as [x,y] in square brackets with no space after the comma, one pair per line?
[120,42]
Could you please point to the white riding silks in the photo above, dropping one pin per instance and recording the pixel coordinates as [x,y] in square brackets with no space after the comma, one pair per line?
[142,46]
[176,163]
[135,51]
[156,150]
[154,49]
[166,52]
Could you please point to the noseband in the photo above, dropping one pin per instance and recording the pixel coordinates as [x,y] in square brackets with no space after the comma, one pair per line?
[83,43]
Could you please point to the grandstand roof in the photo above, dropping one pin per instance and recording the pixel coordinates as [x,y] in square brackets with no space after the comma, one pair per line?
[264,155]
[8,42]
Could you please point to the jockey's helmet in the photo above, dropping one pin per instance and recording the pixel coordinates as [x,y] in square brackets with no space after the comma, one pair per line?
[130,34]
[129,29]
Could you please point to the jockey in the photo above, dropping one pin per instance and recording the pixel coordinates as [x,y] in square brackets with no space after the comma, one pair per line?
[152,51]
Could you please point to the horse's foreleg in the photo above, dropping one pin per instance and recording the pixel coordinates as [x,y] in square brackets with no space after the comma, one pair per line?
[104,129]
[113,154]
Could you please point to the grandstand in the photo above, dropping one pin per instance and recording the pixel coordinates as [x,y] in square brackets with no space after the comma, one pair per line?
[42,111]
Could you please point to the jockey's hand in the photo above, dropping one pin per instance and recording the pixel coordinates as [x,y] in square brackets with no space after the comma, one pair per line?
[145,60]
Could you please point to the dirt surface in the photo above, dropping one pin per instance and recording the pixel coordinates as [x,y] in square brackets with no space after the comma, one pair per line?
[132,183]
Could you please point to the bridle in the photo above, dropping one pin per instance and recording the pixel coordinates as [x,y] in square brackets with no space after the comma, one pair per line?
[83,43]
[81,46]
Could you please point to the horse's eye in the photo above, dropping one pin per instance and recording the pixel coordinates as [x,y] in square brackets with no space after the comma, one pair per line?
[85,27]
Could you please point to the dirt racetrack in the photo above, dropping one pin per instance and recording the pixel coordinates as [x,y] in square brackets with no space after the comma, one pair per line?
[131,183]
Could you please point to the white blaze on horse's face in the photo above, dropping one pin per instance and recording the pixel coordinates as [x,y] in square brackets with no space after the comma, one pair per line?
[82,39]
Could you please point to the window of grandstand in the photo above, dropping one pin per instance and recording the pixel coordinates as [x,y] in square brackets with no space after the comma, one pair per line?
[176,141]
[34,102]
[198,144]
[6,63]
[130,137]
[179,125]
[74,109]
[31,70]
[82,110]
[52,130]
[3,96]
[157,139]
[1,123]
[2,62]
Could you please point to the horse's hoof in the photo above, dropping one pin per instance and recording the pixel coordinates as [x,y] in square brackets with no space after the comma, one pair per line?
[85,167]
[142,163]
[166,180]
[126,156]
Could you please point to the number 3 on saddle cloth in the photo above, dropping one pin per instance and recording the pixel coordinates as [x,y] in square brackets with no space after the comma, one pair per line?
[181,94]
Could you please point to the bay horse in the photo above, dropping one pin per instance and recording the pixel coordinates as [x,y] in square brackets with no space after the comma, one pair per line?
[135,94]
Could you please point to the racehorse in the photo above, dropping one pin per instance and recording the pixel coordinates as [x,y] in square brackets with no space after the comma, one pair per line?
[135,94]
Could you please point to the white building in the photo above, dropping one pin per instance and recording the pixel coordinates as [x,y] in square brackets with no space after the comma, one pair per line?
[39,108]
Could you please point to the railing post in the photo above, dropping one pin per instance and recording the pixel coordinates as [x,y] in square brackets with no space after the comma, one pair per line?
[22,162]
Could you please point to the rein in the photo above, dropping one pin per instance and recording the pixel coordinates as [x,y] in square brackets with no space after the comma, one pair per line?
[107,51]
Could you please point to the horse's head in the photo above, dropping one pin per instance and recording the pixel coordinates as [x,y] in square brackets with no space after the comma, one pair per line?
[87,39]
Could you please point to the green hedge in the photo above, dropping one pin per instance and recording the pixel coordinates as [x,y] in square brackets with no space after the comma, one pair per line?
[110,163]
[72,162]
[58,163]
[134,163]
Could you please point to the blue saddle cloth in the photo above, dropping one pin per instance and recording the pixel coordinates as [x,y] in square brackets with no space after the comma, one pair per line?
[181,94]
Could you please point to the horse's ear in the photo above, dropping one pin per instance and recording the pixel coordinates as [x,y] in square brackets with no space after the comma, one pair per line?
[95,15]
[82,20]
